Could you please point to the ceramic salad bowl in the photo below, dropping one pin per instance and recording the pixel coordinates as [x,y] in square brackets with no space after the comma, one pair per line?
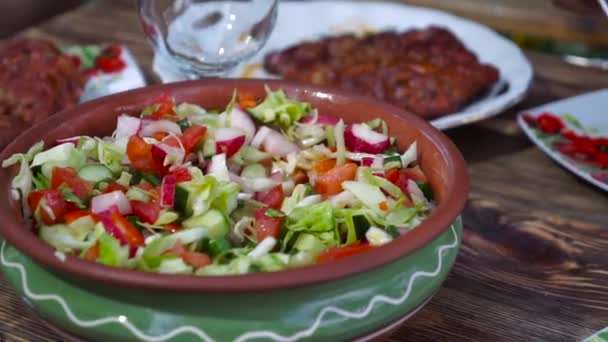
[361,296]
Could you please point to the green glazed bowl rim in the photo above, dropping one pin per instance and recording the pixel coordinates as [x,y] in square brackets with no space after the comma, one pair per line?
[451,185]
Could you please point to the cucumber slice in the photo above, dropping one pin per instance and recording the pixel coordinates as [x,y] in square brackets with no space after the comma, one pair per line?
[425,187]
[361,225]
[95,173]
[213,220]
[183,124]
[254,171]
[152,179]
[392,162]
[219,246]
[181,200]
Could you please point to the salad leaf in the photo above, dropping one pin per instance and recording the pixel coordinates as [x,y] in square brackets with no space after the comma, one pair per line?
[64,155]
[110,155]
[66,238]
[22,182]
[317,219]
[111,253]
[380,182]
[300,191]
[340,144]
[69,196]
[226,197]
[174,265]
[278,109]
[370,195]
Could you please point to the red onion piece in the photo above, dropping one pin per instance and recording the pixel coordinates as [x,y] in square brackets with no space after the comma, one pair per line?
[116,198]
[127,126]
[229,140]
[149,127]
[167,191]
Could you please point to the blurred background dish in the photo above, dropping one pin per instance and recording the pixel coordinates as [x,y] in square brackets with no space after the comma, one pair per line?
[335,18]
[574,133]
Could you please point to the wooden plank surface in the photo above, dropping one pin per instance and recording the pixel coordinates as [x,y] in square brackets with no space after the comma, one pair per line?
[534,264]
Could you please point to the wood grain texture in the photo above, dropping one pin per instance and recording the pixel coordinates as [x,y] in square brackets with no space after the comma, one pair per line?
[534,263]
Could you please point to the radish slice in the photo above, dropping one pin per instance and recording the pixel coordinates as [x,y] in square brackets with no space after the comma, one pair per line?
[217,167]
[116,198]
[165,155]
[260,136]
[167,191]
[243,122]
[229,140]
[320,119]
[149,127]
[278,145]
[111,227]
[127,126]
[360,138]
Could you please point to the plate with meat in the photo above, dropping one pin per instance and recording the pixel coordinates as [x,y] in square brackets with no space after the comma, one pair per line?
[38,79]
[446,69]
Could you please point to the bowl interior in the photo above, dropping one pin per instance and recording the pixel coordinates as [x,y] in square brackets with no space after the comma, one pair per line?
[439,159]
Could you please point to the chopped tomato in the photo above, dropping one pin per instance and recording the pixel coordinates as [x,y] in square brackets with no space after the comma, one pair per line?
[140,154]
[300,176]
[159,135]
[400,178]
[246,100]
[93,253]
[383,206]
[74,215]
[113,187]
[192,136]
[272,198]
[181,175]
[128,231]
[172,141]
[195,259]
[109,64]
[322,166]
[266,226]
[392,175]
[336,253]
[414,173]
[172,227]
[330,183]
[68,176]
[53,202]
[146,211]
[164,108]
[178,248]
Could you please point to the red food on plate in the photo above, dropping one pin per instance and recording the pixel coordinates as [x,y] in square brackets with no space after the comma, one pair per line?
[428,72]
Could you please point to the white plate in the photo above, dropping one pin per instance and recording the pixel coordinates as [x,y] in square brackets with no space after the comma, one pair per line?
[306,20]
[590,111]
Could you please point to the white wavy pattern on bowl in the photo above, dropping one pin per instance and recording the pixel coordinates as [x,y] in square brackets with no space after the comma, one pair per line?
[123,320]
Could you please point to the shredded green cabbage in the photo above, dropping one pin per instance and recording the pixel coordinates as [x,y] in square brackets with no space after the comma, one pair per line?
[278,109]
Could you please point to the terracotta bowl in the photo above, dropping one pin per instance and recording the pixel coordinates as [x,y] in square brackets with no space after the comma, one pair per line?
[353,297]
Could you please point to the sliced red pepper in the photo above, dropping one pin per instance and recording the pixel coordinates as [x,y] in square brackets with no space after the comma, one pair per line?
[192,136]
[140,154]
[337,253]
[68,176]
[146,211]
[74,215]
[266,226]
[272,198]
[113,187]
[53,200]
[164,108]
[181,175]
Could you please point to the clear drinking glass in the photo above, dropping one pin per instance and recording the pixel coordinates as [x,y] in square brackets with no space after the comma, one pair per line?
[207,38]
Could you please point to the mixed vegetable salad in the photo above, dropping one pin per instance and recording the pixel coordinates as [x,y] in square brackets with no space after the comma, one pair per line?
[261,185]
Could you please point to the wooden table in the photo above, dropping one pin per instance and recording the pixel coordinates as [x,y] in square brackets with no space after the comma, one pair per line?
[534,264]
